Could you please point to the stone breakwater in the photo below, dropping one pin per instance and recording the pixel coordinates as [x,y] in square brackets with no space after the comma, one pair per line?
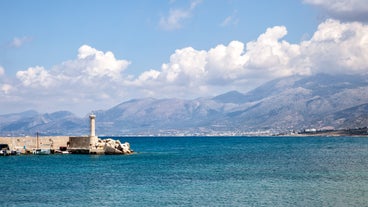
[76,145]
[110,146]
[27,144]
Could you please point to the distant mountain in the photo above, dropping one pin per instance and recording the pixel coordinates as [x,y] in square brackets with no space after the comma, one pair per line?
[31,122]
[292,103]
[231,97]
[354,117]
[153,115]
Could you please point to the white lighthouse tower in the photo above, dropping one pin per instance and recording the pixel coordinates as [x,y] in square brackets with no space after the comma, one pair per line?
[92,137]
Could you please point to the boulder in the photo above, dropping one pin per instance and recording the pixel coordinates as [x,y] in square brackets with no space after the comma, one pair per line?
[111,146]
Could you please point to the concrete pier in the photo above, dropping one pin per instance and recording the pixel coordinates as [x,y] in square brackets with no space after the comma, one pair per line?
[29,143]
[75,144]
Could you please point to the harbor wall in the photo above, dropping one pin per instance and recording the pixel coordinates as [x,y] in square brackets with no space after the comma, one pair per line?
[30,142]
[79,142]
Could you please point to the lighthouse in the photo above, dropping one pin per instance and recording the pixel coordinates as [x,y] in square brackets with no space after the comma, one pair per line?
[92,137]
[93,145]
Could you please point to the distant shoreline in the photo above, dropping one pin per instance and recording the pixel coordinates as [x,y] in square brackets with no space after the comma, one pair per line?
[55,142]
[340,132]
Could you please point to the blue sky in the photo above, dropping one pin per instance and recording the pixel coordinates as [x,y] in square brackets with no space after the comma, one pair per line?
[84,55]
[54,30]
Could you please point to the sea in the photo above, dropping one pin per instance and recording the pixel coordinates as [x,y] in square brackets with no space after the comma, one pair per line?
[196,171]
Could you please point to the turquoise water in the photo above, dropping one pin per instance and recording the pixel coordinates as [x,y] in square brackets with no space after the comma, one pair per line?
[196,171]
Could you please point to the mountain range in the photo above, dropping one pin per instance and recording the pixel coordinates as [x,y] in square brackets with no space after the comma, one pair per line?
[287,104]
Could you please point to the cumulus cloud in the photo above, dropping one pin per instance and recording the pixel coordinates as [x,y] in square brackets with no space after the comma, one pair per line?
[351,10]
[96,63]
[337,48]
[185,65]
[175,18]
[233,66]
[89,78]
[35,77]
[91,65]
[226,63]
[97,79]
[148,75]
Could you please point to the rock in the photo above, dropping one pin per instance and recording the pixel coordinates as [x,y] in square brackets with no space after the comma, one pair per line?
[111,150]
[126,148]
[110,146]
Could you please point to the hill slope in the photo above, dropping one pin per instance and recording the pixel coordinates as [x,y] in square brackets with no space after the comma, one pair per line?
[293,103]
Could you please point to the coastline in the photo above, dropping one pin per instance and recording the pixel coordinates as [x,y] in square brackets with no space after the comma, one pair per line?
[24,143]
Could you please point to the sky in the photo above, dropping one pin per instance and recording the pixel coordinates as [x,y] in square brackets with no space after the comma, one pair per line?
[87,55]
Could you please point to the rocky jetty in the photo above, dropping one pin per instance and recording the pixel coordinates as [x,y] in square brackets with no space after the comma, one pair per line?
[91,144]
[111,146]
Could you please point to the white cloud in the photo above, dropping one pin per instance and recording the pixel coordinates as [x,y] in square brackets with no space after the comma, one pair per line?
[334,48]
[96,63]
[175,18]
[226,63]
[230,20]
[19,41]
[194,4]
[273,57]
[97,79]
[192,72]
[356,10]
[35,77]
[267,51]
[90,67]
[6,88]
[227,21]
[181,77]
[338,48]
[185,65]
[148,75]
[340,5]
[85,81]
[2,70]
